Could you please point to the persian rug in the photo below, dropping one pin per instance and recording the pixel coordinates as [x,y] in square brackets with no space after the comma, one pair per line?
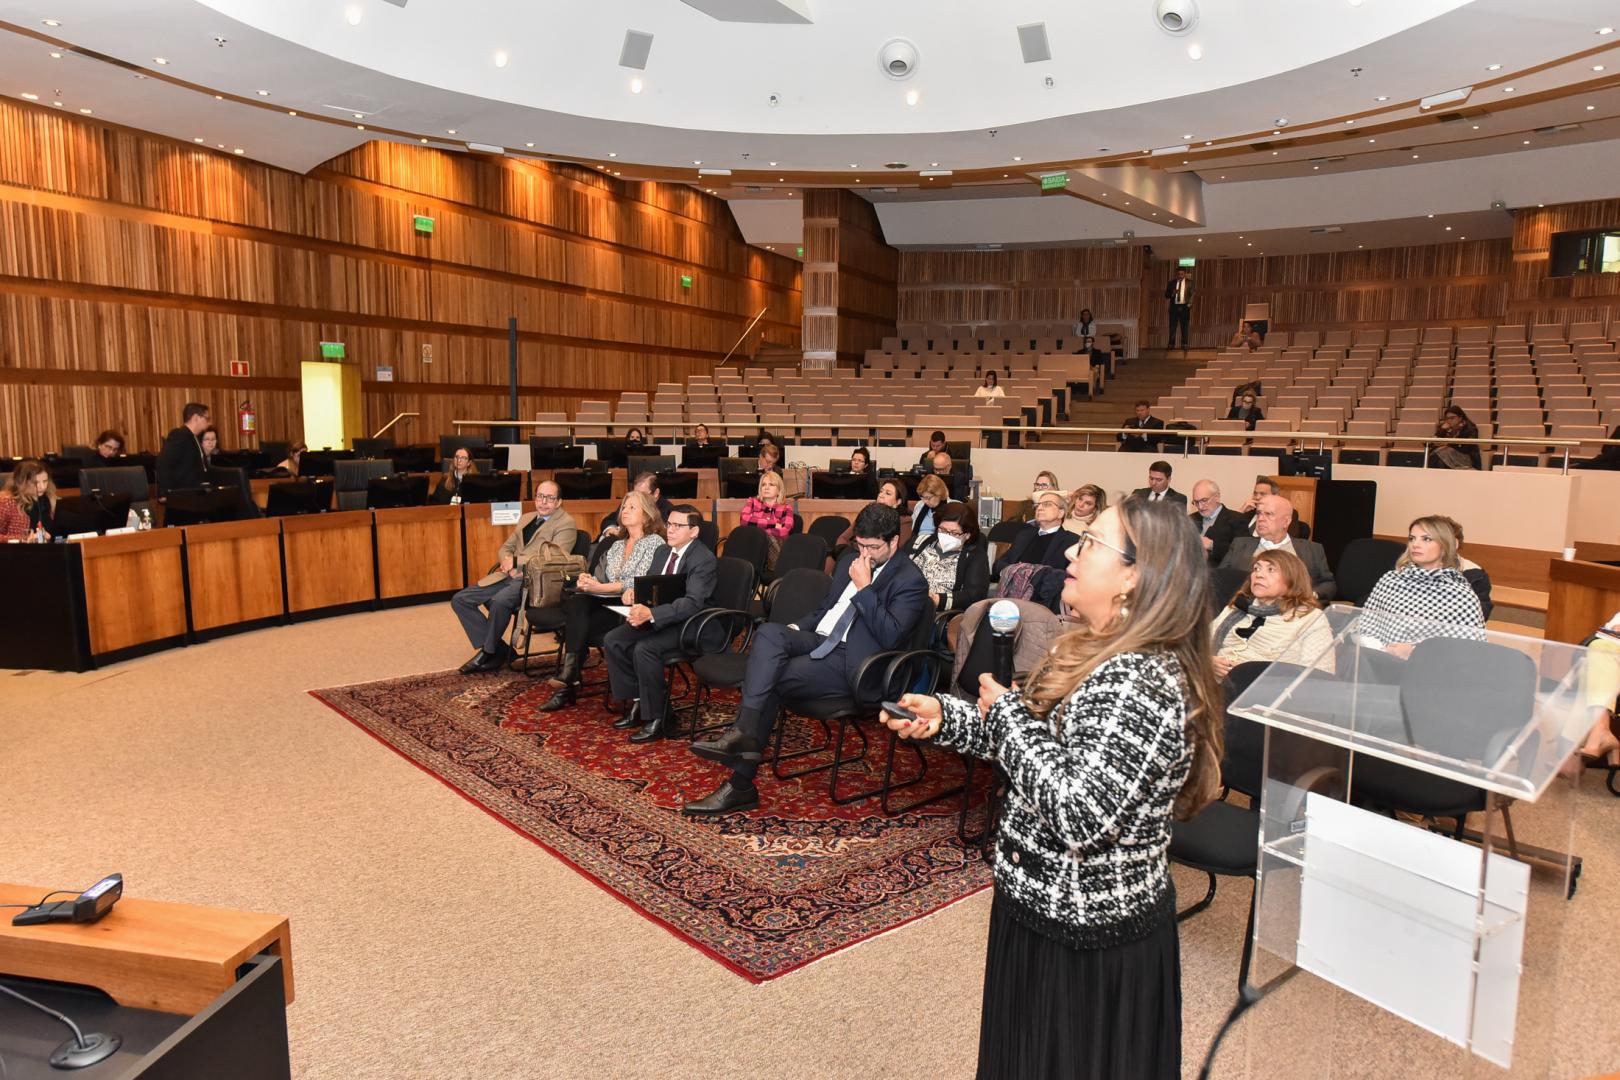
[764,892]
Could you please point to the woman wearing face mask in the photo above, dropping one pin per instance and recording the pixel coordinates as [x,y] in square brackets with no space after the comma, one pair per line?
[952,559]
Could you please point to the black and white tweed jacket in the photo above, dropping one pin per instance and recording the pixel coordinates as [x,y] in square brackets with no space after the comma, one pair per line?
[1081,850]
[1411,604]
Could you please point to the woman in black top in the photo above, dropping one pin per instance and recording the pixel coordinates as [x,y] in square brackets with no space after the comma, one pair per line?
[461,467]
[1247,410]
[1454,423]
[1117,731]
[952,559]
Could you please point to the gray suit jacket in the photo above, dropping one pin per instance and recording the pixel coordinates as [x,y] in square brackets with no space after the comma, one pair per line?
[1240,556]
[700,569]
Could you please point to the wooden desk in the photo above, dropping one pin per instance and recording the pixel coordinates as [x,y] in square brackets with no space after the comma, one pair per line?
[174,958]
[134,590]
[419,551]
[1582,597]
[235,572]
[329,560]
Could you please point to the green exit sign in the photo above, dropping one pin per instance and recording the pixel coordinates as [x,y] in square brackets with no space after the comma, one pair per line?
[332,350]
[801,253]
[1187,260]
[686,281]
[424,225]
[1054,181]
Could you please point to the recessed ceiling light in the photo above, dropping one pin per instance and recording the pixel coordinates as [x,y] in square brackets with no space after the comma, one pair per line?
[1602,30]
[1448,228]
[264,93]
[615,172]
[1527,142]
[911,97]
[1507,89]
[1276,133]
[1597,67]
[931,164]
[1431,215]
[773,164]
[290,112]
[353,14]
[1358,245]
[1349,121]
[1249,244]
[359,116]
[1195,52]
[238,150]
[1381,97]
[501,59]
[424,140]
[1414,157]
[1004,176]
[449,131]
[1494,67]
[1200,239]
[1462,237]
[220,145]
[1274,153]
[613,153]
[783,179]
[159,60]
[1189,137]
[635,86]
[1372,140]
[1314,168]
[854,166]
[697,162]
[56,56]
[30,97]
[199,138]
[54,22]
[85,111]
[529,145]
[1018,159]
[1476,127]
[359,127]
[1223,176]
[1589,108]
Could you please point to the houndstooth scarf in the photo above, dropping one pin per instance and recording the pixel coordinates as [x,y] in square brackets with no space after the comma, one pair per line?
[1411,604]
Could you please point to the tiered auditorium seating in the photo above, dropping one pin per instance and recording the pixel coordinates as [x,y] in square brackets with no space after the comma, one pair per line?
[1513,381]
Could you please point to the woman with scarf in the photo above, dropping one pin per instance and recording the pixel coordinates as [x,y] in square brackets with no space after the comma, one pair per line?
[1425,595]
[1275,616]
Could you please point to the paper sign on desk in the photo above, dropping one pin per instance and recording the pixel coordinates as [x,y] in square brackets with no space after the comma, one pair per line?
[505,513]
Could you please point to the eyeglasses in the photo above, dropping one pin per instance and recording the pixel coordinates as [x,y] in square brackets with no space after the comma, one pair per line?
[1044,485]
[681,524]
[873,547]
[1089,537]
[1205,500]
[543,497]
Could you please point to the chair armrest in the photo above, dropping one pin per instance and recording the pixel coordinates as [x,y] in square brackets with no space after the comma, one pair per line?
[691,639]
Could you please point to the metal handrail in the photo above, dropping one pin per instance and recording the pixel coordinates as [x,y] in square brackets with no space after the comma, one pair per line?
[391,423]
[749,329]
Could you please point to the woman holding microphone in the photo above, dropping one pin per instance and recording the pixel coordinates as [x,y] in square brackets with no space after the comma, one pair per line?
[1117,730]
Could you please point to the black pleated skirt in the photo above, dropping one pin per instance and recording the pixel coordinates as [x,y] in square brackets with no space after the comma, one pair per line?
[1051,1010]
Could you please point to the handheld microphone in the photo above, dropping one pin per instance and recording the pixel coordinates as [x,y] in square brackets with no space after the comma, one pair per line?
[82,1049]
[1003,619]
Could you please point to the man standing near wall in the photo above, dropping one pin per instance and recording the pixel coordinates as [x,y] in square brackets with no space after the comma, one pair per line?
[1179,293]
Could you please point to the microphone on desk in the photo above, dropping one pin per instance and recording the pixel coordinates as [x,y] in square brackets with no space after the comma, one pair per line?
[80,1051]
[1003,618]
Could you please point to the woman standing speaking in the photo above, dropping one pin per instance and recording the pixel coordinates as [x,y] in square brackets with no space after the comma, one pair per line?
[1117,730]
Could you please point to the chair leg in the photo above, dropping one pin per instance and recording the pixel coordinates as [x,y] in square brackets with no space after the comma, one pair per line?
[839,761]
[778,756]
[1209,898]
[922,772]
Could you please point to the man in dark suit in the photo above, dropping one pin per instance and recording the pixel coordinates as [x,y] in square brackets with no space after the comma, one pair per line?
[1272,518]
[875,600]
[1263,486]
[1179,293]
[1144,421]
[1159,489]
[180,463]
[1217,524]
[955,479]
[636,651]
[1044,540]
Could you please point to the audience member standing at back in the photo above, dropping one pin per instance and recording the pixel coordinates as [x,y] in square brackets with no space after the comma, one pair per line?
[1179,293]
[180,463]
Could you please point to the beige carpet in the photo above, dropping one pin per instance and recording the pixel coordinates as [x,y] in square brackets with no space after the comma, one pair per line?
[429,940]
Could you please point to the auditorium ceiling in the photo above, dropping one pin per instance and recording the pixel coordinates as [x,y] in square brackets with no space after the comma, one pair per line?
[942,101]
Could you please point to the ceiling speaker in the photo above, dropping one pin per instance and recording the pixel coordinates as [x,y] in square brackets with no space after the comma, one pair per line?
[636,47]
[1033,44]
[399,3]
[1176,16]
[898,59]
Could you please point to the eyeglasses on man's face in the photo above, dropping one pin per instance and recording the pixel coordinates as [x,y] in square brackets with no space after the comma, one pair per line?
[544,497]
[872,547]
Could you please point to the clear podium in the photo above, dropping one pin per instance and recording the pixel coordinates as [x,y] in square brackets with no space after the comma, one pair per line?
[1388,938]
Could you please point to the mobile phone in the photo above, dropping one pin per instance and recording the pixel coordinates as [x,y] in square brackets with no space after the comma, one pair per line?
[894,708]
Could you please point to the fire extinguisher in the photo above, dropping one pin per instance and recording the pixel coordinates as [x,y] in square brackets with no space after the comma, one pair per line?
[247,421]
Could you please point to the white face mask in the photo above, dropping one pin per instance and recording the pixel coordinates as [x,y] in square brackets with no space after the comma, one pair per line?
[948,543]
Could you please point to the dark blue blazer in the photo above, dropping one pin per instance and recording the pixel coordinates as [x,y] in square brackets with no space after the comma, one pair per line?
[885,611]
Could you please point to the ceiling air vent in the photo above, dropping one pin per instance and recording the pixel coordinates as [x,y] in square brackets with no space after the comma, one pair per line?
[634,52]
[1328,229]
[896,165]
[1033,44]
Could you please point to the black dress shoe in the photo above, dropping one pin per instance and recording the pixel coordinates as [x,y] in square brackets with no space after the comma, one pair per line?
[732,748]
[728,798]
[559,699]
[474,665]
[651,731]
[631,717]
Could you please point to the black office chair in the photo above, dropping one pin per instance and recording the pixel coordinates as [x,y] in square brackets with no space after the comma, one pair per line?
[734,584]
[354,478]
[492,488]
[372,448]
[798,550]
[554,452]
[678,485]
[829,528]
[392,492]
[1364,561]
[709,535]
[545,620]
[275,450]
[718,639]
[122,480]
[236,478]
[1224,582]
[449,444]
[584,484]
[750,544]
[307,495]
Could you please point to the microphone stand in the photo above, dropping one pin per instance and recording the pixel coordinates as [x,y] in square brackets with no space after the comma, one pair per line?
[82,1049]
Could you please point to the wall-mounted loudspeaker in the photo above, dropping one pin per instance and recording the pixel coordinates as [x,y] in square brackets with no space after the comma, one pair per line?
[1176,16]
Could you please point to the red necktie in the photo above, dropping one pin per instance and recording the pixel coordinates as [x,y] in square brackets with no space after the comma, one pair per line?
[669,567]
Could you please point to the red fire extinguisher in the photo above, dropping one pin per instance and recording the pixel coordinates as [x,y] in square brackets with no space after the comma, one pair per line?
[247,421]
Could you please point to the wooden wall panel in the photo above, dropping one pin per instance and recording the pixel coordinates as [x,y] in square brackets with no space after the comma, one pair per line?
[1535,296]
[133,269]
[849,276]
[1047,285]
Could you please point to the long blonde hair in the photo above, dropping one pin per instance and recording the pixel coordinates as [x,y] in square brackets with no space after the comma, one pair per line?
[1166,614]
[20,485]
[1445,531]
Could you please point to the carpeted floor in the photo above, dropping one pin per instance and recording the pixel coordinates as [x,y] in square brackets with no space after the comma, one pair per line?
[430,940]
[764,892]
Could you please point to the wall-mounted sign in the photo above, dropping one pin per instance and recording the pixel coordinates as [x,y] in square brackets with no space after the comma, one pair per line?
[427,354]
[332,350]
[1187,260]
[239,368]
[423,225]
[1054,181]
[385,373]
[686,281]
[505,513]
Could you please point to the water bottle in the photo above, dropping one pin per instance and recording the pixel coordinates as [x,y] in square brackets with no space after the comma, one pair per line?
[146,520]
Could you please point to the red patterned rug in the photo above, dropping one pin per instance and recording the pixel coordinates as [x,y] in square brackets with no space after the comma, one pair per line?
[764,892]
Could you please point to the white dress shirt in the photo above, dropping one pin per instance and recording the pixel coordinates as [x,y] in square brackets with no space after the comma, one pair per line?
[836,612]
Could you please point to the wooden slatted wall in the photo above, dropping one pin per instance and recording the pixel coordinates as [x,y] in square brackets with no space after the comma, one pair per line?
[1046,285]
[134,268]
[849,280]
[1539,298]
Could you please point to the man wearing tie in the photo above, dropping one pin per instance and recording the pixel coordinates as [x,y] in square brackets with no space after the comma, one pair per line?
[636,651]
[501,590]
[1159,489]
[1143,421]
[874,602]
[1179,292]
[1217,524]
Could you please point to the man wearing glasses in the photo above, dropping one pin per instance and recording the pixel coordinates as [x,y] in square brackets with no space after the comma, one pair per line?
[1217,524]
[873,604]
[636,652]
[501,590]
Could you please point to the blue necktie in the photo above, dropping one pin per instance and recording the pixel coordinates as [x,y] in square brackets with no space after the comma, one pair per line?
[836,637]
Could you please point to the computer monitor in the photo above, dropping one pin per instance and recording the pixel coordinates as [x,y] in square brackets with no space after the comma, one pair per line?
[703,457]
[372,448]
[411,459]
[844,485]
[492,487]
[322,462]
[563,455]
[392,492]
[90,513]
[584,483]
[636,464]
[677,485]
[202,506]
[292,497]
[251,460]
[614,452]
[741,485]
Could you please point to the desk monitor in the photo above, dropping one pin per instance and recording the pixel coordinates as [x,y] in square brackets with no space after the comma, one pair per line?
[412,459]
[677,485]
[636,464]
[371,448]
[614,453]
[554,452]
[202,506]
[741,485]
[391,492]
[694,456]
[584,483]
[90,513]
[492,487]
[322,462]
[844,485]
[655,589]
[293,497]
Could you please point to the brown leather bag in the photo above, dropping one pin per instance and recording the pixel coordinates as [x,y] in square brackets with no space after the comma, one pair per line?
[544,575]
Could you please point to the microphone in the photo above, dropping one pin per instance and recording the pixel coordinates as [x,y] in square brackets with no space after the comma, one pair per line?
[82,1049]
[1003,621]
